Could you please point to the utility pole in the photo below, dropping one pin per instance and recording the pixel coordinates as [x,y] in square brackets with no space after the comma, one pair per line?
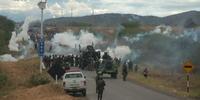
[93,11]
[71,12]
[42,6]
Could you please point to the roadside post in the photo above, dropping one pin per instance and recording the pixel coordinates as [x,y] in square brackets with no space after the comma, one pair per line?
[188,67]
[56,79]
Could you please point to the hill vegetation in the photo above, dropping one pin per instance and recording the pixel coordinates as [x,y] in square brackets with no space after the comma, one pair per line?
[22,81]
[130,28]
[6,28]
[188,19]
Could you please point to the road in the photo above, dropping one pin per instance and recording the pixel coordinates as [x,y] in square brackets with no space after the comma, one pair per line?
[116,89]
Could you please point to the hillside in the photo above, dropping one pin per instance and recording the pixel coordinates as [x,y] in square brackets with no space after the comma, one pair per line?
[109,23]
[183,18]
[116,19]
[6,28]
[19,87]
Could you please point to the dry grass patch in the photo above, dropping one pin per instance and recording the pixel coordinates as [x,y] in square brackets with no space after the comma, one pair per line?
[26,83]
[174,84]
[42,92]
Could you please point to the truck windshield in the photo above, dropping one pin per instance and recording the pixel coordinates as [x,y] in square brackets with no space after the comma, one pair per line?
[77,75]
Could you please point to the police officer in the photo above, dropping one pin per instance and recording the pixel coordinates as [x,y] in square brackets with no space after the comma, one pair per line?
[136,68]
[124,71]
[130,65]
[97,79]
[106,56]
[146,72]
[100,86]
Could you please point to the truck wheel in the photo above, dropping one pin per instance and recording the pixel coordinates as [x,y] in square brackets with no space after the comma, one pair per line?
[114,75]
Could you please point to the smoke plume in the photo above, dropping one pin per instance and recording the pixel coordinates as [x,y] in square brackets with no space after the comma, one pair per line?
[20,42]
[119,51]
[7,58]
[162,48]
[23,36]
[67,42]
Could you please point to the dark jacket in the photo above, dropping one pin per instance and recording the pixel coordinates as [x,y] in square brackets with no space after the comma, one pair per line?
[101,84]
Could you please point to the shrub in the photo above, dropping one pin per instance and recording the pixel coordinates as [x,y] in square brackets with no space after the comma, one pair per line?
[3,80]
[38,79]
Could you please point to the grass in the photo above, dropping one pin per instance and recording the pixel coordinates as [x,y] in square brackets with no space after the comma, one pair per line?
[5,85]
[39,79]
[3,80]
[134,28]
[24,73]
[173,84]
[131,29]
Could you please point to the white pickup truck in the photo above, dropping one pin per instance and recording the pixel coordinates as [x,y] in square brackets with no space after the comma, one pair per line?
[74,82]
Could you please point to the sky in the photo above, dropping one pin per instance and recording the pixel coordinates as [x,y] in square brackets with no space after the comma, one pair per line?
[18,10]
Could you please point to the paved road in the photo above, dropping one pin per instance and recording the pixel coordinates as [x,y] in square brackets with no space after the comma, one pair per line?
[116,89]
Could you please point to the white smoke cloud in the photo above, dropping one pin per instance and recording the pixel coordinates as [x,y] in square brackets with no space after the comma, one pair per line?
[119,51]
[20,42]
[166,31]
[13,45]
[191,33]
[87,38]
[67,41]
[7,58]
[22,36]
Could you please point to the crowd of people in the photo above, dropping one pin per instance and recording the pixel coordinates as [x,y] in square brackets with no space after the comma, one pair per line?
[86,59]
[61,61]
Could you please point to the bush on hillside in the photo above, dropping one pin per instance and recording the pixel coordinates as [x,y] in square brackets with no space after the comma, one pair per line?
[79,24]
[130,28]
[3,80]
[38,79]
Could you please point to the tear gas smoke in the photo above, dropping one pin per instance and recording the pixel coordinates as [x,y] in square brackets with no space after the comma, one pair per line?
[13,45]
[7,58]
[163,48]
[67,42]
[20,42]
[119,51]
[22,36]
[166,31]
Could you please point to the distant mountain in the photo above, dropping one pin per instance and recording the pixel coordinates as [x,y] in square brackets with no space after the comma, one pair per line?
[182,19]
[186,19]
